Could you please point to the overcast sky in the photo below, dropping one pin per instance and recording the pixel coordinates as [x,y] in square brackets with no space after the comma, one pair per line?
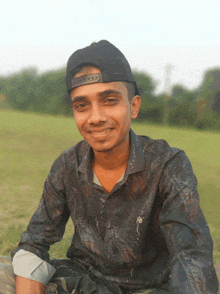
[151,34]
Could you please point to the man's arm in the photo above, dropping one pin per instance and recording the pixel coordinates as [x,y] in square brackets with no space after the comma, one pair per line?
[46,227]
[31,268]
[186,231]
[27,286]
[47,224]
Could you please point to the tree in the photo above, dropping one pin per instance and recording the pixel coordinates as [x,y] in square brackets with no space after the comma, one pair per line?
[209,87]
[182,106]
[20,89]
[210,83]
[216,103]
[51,91]
[151,106]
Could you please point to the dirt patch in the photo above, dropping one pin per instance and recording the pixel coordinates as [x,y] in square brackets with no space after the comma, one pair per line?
[1,213]
[4,187]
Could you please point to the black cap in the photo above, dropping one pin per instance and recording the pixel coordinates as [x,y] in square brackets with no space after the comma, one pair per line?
[111,62]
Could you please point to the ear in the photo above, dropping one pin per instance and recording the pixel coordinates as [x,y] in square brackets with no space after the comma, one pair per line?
[135,105]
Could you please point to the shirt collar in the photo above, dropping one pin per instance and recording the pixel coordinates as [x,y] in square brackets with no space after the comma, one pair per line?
[136,158]
[135,162]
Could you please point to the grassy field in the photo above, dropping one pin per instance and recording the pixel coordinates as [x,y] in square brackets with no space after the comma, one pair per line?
[30,143]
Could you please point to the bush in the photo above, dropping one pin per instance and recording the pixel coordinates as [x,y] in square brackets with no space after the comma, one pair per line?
[182,115]
[210,120]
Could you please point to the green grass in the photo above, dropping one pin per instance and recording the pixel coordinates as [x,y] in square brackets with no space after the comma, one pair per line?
[30,143]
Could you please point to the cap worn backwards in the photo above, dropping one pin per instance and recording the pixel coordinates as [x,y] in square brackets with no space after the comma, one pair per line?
[104,55]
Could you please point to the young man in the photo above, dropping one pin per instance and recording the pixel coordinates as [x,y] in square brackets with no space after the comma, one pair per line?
[133,200]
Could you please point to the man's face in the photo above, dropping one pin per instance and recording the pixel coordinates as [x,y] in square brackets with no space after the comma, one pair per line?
[102,113]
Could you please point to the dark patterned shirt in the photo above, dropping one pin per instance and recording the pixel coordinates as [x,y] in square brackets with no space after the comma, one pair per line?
[148,232]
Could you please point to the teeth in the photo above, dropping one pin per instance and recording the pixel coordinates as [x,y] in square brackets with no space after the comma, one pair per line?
[105,131]
[102,132]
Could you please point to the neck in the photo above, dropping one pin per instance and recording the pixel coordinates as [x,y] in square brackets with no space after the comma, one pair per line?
[114,159]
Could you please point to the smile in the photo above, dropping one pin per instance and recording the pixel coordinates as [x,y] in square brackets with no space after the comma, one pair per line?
[100,133]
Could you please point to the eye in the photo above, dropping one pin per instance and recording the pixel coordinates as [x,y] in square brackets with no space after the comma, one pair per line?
[111,100]
[80,107]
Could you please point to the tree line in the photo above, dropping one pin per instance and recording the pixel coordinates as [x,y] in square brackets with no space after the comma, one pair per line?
[45,93]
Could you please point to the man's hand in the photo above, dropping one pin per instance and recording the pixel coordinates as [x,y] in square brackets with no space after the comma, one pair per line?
[27,286]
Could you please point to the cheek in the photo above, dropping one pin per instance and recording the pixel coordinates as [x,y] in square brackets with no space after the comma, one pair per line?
[79,120]
[123,114]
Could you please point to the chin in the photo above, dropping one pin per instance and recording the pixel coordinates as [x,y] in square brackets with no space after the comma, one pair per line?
[101,146]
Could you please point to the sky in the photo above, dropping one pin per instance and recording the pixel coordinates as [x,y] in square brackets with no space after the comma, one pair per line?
[153,35]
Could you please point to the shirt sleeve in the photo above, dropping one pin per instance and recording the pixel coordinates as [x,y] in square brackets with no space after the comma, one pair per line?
[186,231]
[47,224]
[30,266]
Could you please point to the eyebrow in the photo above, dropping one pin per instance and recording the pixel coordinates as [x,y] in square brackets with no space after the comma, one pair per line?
[102,95]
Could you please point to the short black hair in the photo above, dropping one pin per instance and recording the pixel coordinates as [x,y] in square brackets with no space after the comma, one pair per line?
[81,66]
[129,85]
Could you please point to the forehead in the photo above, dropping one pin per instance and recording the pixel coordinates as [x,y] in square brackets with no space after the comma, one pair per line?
[94,90]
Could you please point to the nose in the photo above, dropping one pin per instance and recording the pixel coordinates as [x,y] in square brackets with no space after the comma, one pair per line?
[96,115]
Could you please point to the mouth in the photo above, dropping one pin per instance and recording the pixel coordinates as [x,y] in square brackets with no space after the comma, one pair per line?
[100,133]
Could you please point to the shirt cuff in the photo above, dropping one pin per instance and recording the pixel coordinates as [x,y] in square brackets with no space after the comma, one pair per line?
[28,265]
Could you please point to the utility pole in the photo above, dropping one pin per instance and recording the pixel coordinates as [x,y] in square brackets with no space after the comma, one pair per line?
[167,92]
